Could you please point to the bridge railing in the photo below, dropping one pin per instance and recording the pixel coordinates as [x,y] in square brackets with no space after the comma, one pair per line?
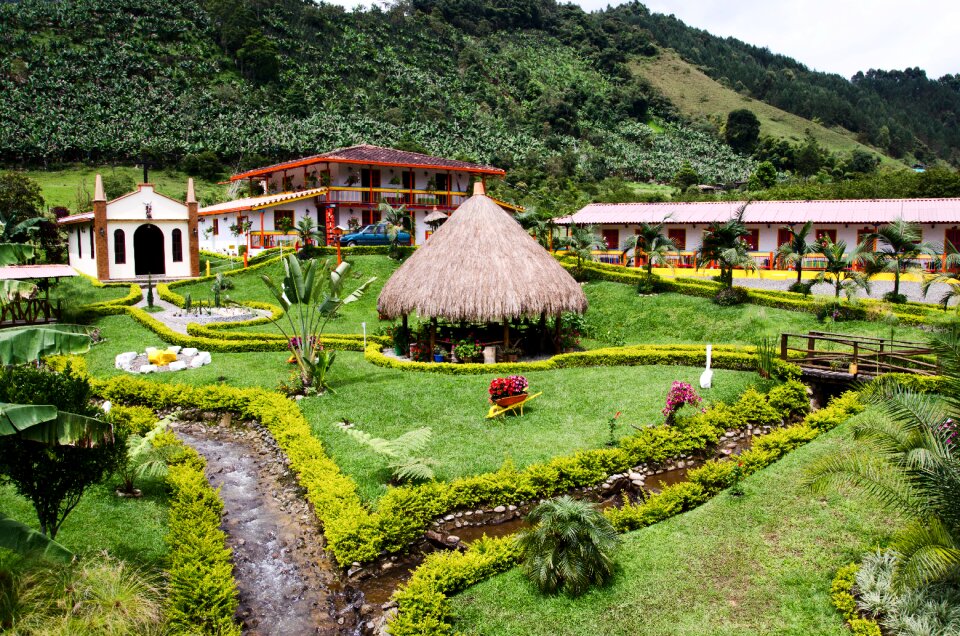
[863,355]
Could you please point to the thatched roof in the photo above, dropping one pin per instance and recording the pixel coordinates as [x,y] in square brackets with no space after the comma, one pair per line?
[480,266]
[435,217]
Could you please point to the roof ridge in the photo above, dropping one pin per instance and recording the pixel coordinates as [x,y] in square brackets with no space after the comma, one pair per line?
[760,201]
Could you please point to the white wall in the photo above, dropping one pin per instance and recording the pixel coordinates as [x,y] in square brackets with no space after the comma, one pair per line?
[128,270]
[88,262]
[132,207]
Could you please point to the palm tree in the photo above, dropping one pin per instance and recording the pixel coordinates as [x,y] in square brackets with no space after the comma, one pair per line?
[724,244]
[307,231]
[539,226]
[793,251]
[950,278]
[569,547]
[653,243]
[838,270]
[582,240]
[397,220]
[898,245]
[908,461]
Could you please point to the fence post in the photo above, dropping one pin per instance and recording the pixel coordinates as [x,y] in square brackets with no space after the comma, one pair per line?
[783,346]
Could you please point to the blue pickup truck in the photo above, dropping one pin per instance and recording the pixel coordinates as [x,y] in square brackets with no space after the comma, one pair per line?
[373,235]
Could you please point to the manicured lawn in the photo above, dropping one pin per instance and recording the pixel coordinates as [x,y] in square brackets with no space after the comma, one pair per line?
[571,414]
[130,529]
[251,287]
[79,291]
[760,564]
[618,312]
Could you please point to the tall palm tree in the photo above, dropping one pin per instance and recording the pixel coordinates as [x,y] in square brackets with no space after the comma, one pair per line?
[539,225]
[569,547]
[723,243]
[652,242]
[839,270]
[582,241]
[398,219]
[794,250]
[950,277]
[909,462]
[898,246]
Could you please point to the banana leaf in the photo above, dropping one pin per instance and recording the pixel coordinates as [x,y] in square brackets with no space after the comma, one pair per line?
[49,425]
[26,541]
[11,290]
[26,344]
[13,253]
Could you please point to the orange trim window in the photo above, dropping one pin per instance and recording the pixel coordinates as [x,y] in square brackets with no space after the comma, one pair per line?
[279,216]
[783,236]
[753,239]
[953,236]
[611,238]
[862,236]
[679,237]
[831,233]
[216,227]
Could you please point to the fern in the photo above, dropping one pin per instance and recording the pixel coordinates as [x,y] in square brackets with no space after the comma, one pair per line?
[404,454]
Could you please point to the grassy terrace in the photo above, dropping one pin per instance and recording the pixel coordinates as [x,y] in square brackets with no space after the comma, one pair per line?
[760,564]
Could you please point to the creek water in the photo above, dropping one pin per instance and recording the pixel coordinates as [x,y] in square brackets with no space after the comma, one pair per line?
[287,584]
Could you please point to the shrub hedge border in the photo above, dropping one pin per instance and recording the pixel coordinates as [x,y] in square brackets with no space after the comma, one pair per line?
[202,593]
[423,604]
[841,594]
[910,313]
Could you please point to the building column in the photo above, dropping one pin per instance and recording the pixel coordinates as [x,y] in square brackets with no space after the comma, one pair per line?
[192,231]
[99,229]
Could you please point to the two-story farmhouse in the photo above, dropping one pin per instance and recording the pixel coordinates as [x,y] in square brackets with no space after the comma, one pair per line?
[342,189]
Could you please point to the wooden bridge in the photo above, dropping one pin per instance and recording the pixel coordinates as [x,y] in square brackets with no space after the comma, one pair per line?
[844,358]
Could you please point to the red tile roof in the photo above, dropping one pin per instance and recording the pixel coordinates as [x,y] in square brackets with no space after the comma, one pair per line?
[869,211]
[76,218]
[365,154]
[257,203]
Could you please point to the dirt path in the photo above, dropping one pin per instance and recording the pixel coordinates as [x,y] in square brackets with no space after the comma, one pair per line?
[287,583]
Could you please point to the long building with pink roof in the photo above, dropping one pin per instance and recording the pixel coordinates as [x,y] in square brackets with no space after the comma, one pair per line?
[844,220]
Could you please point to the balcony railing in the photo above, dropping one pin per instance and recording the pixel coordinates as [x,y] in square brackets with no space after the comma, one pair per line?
[359,197]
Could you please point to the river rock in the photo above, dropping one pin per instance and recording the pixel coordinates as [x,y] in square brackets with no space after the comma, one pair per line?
[179,365]
[190,351]
[500,509]
[148,368]
[123,360]
[452,539]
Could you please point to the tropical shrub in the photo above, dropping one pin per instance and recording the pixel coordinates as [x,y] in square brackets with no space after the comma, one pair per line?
[681,394]
[405,454]
[569,547]
[731,296]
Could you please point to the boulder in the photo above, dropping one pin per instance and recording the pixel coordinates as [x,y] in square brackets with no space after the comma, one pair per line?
[179,365]
[123,360]
[189,351]
[174,348]
[148,368]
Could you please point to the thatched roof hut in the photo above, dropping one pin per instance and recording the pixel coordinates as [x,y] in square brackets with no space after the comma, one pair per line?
[481,266]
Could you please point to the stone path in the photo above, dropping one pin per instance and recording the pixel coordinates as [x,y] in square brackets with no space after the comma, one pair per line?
[175,318]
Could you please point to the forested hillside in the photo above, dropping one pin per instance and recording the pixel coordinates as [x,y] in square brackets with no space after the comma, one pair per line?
[542,89]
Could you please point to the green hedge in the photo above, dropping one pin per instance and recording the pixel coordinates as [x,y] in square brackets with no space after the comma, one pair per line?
[423,601]
[724,357]
[841,593]
[202,594]
[360,250]
[911,313]
[116,305]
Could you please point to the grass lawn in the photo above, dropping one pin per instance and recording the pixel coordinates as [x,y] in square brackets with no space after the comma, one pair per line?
[618,312]
[760,564]
[571,414]
[130,529]
[61,187]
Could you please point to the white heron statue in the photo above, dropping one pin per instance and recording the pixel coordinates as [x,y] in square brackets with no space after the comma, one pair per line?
[706,378]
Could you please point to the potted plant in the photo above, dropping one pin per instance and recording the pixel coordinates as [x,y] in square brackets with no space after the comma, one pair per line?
[438,354]
[468,350]
[508,391]
[512,353]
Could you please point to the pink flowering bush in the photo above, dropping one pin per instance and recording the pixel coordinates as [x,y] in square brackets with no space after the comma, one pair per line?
[505,387]
[949,431]
[681,393]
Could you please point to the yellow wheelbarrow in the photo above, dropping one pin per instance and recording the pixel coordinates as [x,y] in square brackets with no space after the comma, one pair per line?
[497,411]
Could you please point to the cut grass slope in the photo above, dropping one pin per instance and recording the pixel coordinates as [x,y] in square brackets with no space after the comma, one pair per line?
[759,564]
[700,97]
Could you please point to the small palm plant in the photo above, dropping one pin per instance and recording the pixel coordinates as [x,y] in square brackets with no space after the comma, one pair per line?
[723,243]
[397,220]
[569,548]
[582,241]
[654,244]
[839,270]
[539,225]
[143,459]
[794,250]
[950,277]
[899,245]
[405,454]
[307,231]
[909,462]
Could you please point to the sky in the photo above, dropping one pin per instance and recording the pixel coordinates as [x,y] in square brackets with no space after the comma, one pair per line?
[835,36]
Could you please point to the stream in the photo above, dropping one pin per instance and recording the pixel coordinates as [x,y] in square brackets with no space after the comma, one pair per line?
[287,583]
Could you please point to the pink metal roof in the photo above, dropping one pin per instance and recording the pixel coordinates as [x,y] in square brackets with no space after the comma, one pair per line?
[26,272]
[76,218]
[257,203]
[867,211]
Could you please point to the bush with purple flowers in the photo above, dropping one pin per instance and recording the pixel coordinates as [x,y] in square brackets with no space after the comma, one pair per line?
[949,431]
[681,393]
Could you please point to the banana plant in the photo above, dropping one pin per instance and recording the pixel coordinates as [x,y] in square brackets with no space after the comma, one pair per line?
[28,344]
[26,541]
[11,254]
[49,425]
[314,290]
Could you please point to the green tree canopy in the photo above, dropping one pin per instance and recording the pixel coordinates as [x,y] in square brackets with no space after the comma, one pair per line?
[742,131]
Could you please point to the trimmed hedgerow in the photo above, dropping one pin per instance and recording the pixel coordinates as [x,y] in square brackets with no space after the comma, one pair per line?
[910,313]
[841,594]
[724,357]
[116,305]
[202,593]
[423,606]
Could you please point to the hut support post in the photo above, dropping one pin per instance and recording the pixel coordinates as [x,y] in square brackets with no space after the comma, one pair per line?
[557,344]
[433,334]
[506,333]
[543,331]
